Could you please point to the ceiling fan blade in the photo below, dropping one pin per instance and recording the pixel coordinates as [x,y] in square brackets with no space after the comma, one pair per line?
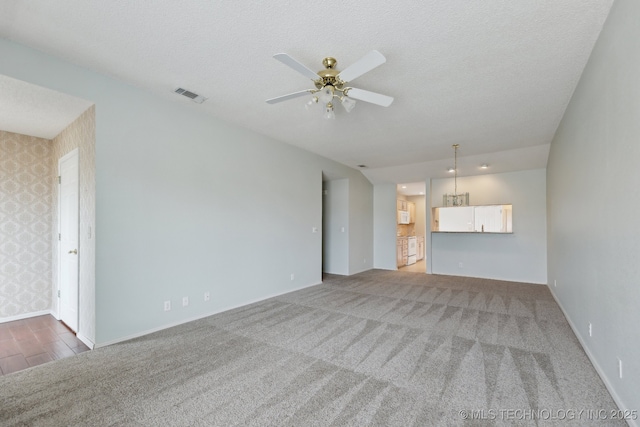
[372,97]
[365,64]
[296,65]
[289,96]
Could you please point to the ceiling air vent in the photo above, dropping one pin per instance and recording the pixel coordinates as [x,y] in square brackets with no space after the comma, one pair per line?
[192,96]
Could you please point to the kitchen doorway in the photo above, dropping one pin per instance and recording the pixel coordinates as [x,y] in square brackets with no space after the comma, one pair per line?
[418,267]
[411,227]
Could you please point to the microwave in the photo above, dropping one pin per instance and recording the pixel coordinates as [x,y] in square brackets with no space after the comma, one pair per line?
[403,217]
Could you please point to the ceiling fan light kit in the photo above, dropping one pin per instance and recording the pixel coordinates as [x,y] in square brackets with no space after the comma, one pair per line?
[348,103]
[331,83]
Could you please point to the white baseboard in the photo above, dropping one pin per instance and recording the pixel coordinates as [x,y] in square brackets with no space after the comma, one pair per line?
[594,362]
[24,316]
[85,340]
[201,316]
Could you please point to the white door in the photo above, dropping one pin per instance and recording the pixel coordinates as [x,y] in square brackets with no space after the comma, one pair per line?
[68,248]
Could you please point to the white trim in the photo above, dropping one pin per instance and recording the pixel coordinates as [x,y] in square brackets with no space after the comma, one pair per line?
[85,340]
[594,362]
[428,237]
[201,316]
[24,316]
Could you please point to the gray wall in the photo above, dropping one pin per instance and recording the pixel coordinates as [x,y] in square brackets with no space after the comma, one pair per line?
[593,205]
[384,217]
[335,227]
[187,204]
[360,224]
[519,257]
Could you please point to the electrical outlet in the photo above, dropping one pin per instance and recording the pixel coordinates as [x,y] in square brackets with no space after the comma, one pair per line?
[619,368]
[167,305]
[460,265]
[590,330]
[364,261]
[555,283]
[185,301]
[314,229]
[292,276]
[207,296]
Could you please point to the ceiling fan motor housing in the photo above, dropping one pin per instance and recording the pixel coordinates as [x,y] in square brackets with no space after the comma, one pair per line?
[329,76]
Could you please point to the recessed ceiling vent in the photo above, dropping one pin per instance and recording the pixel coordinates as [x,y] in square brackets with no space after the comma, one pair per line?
[362,166]
[192,96]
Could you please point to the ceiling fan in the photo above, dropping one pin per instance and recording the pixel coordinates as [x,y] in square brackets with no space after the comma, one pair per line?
[331,83]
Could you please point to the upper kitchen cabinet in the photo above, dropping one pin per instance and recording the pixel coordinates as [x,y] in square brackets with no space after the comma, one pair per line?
[406,212]
[412,212]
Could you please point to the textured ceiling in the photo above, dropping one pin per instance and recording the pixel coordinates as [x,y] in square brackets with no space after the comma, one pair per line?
[494,76]
[33,110]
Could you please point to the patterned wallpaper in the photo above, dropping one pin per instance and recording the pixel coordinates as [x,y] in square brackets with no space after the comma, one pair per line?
[81,133]
[26,177]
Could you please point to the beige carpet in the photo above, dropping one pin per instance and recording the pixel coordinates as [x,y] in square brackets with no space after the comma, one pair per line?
[378,348]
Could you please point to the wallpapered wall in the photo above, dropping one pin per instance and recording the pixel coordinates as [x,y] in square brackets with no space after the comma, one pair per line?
[79,134]
[26,177]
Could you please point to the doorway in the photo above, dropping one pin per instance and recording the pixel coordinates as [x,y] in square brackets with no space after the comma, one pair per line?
[55,125]
[411,227]
[335,226]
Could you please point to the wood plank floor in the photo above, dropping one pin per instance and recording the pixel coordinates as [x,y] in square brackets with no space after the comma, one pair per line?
[418,267]
[30,342]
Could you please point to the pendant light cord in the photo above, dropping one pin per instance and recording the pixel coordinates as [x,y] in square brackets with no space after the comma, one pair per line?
[455,170]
